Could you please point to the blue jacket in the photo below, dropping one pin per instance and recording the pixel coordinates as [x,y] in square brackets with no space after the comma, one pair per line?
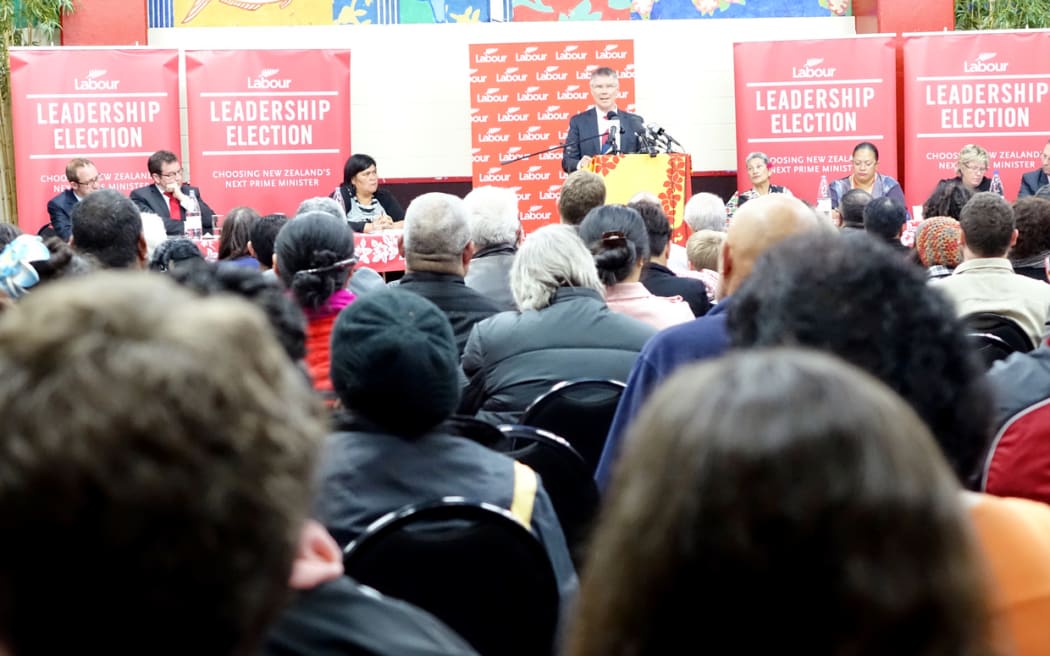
[60,209]
[699,339]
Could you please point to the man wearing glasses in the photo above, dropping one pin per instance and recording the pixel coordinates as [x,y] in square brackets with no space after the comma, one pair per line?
[83,179]
[169,197]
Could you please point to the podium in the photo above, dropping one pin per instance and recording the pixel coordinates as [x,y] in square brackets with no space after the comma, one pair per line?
[667,176]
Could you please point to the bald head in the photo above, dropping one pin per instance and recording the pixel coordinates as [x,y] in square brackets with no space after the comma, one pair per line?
[757,226]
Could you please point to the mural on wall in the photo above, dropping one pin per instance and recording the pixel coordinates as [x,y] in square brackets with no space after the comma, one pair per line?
[247,13]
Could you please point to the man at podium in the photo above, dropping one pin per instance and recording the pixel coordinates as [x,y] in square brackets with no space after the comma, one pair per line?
[603,128]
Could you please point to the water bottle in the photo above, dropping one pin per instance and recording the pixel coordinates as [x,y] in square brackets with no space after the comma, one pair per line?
[193,217]
[997,184]
[824,196]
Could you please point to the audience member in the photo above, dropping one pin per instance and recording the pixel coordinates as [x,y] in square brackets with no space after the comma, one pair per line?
[617,238]
[314,256]
[1029,253]
[757,226]
[564,330]
[107,227]
[262,235]
[438,250]
[174,254]
[937,246]
[235,240]
[581,192]
[394,366]
[656,277]
[947,199]
[153,231]
[985,281]
[702,249]
[877,312]
[884,219]
[159,505]
[703,211]
[29,260]
[496,232]
[851,209]
[8,232]
[790,487]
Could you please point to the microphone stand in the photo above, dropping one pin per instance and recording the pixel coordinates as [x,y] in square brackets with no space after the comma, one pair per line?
[504,162]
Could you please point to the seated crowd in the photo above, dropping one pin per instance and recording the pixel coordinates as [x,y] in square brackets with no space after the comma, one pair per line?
[809,435]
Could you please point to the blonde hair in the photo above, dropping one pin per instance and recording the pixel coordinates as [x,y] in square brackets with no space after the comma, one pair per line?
[703,249]
[971,154]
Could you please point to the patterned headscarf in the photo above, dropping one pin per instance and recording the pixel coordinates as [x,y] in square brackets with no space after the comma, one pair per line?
[16,271]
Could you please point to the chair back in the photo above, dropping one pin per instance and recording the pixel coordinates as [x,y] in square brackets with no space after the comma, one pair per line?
[475,430]
[579,410]
[995,336]
[566,477]
[470,564]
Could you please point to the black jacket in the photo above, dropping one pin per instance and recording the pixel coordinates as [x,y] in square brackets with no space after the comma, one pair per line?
[463,306]
[661,281]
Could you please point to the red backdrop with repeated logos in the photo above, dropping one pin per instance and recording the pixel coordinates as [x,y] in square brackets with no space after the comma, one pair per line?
[267,128]
[112,106]
[989,89]
[806,104]
[522,96]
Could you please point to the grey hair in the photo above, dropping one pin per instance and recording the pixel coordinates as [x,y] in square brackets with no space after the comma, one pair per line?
[325,204]
[760,155]
[551,257]
[705,211]
[154,232]
[493,216]
[436,231]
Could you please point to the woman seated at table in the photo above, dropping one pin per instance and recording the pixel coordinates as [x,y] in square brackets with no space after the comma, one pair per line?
[563,330]
[368,208]
[866,176]
[757,164]
[971,167]
[617,238]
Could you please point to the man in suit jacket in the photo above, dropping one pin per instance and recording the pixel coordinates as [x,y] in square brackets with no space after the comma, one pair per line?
[168,191]
[83,179]
[1031,182]
[589,130]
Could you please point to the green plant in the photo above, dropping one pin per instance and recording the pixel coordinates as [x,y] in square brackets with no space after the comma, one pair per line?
[1001,14]
[22,23]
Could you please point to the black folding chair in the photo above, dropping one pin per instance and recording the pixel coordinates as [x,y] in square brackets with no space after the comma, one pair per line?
[580,411]
[566,477]
[473,565]
[995,336]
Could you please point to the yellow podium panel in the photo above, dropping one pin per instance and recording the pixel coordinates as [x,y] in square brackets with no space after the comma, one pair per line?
[665,175]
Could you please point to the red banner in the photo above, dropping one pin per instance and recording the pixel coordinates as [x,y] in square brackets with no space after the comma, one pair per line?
[114,107]
[267,128]
[806,104]
[522,96]
[984,88]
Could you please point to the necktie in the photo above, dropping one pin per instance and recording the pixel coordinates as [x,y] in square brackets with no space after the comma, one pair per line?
[607,143]
[174,209]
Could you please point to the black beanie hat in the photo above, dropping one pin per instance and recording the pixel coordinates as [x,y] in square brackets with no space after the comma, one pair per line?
[395,361]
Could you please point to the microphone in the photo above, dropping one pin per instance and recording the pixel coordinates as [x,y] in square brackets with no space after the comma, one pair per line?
[658,132]
[611,115]
[645,142]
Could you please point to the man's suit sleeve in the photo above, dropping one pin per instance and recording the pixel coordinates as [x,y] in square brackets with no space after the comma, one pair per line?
[1027,182]
[631,142]
[61,222]
[139,198]
[570,156]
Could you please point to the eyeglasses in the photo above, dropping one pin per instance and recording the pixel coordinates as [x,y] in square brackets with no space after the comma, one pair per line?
[93,182]
[975,169]
[171,175]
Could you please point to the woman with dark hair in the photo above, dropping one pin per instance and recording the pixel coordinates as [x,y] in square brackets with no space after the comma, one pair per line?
[616,237]
[175,252]
[947,199]
[865,175]
[781,502]
[314,258]
[368,208]
[236,234]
